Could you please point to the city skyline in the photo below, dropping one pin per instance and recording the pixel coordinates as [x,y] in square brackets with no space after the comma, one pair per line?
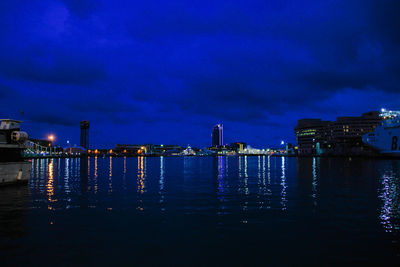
[165,73]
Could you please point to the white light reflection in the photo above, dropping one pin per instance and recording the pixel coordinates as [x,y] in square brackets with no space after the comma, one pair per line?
[269,170]
[42,175]
[243,183]
[162,197]
[390,196]
[261,186]
[67,175]
[284,186]
[315,179]
[221,184]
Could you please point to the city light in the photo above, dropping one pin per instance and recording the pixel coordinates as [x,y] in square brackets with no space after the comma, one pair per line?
[51,137]
[282,142]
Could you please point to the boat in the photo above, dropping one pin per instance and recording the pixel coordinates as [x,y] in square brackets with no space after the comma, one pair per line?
[14,169]
[385,139]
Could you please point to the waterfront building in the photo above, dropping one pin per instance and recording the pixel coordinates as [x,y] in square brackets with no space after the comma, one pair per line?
[42,142]
[290,149]
[188,152]
[253,151]
[343,136]
[218,135]
[147,149]
[85,134]
[309,132]
[129,150]
[238,146]
[163,149]
[75,150]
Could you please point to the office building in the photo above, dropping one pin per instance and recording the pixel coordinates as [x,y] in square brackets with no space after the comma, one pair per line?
[238,146]
[309,132]
[218,135]
[343,136]
[85,134]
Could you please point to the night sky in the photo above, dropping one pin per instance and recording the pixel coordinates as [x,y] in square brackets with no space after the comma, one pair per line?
[166,72]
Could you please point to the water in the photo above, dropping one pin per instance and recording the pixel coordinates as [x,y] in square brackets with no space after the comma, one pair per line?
[203,211]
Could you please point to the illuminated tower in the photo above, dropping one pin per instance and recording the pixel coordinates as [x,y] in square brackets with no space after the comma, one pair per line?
[218,135]
[85,134]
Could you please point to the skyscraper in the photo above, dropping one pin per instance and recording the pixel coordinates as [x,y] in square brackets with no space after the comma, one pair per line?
[85,134]
[218,135]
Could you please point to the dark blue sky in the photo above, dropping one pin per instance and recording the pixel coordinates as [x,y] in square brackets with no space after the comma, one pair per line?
[167,71]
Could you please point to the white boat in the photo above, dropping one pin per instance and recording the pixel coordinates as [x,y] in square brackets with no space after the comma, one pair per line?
[13,168]
[386,136]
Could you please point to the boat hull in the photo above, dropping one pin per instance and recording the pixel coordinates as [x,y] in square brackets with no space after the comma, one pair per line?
[15,172]
[385,140]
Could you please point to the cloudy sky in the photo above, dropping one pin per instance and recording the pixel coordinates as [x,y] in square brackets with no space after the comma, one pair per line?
[167,71]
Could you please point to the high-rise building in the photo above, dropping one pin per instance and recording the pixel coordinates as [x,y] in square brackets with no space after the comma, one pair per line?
[85,134]
[218,135]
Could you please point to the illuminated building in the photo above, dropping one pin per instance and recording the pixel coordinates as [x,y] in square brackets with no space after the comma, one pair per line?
[148,149]
[163,149]
[343,136]
[238,146]
[218,135]
[309,132]
[85,134]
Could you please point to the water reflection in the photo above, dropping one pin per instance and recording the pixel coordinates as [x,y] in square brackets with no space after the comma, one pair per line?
[283,184]
[67,175]
[14,205]
[84,175]
[221,188]
[162,182]
[258,183]
[96,186]
[261,181]
[389,193]
[110,185]
[124,175]
[140,182]
[50,186]
[243,183]
[315,172]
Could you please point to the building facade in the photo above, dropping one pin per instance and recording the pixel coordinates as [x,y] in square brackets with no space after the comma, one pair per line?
[238,146]
[309,132]
[343,136]
[85,134]
[218,135]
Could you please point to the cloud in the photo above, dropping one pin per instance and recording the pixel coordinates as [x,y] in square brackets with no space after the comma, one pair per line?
[52,118]
[60,67]
[238,62]
[82,8]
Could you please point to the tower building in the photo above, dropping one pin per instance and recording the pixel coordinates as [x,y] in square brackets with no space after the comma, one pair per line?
[218,135]
[85,134]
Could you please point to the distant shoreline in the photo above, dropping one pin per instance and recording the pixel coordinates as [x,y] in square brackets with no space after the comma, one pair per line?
[203,156]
